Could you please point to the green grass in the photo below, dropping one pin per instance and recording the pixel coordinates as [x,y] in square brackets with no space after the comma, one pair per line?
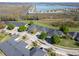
[74,29]
[39,23]
[70,43]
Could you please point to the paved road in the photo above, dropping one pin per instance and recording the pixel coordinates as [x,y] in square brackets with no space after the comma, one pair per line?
[59,50]
[45,44]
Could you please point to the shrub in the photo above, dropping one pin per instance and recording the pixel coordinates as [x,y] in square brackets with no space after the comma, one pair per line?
[55,39]
[10,26]
[51,52]
[33,31]
[31,22]
[24,37]
[22,28]
[64,28]
[43,35]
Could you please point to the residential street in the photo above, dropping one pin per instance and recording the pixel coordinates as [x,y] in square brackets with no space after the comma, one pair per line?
[41,43]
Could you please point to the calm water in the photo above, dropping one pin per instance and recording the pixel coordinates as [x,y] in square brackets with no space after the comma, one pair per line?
[45,7]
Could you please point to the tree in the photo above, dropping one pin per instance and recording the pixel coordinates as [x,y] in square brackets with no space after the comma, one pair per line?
[76,18]
[55,39]
[43,35]
[64,28]
[31,22]
[5,18]
[22,28]
[10,26]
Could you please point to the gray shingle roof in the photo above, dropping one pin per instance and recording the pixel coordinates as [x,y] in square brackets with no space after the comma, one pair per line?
[73,34]
[37,52]
[13,48]
[9,50]
[77,37]
[15,23]
[44,29]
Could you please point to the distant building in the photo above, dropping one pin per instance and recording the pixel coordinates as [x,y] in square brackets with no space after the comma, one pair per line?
[17,24]
[34,9]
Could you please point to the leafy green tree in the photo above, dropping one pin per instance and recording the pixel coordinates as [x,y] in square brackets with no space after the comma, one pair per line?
[10,26]
[43,35]
[31,22]
[64,28]
[22,28]
[55,39]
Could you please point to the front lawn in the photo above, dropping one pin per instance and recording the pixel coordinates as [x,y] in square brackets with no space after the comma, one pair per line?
[68,43]
[74,29]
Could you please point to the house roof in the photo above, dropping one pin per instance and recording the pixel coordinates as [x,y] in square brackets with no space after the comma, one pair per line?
[73,34]
[37,52]
[50,32]
[9,50]
[13,48]
[77,37]
[15,23]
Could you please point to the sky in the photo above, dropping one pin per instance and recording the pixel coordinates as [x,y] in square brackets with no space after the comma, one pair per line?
[39,0]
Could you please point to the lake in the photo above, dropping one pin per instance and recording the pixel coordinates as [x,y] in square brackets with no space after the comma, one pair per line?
[45,7]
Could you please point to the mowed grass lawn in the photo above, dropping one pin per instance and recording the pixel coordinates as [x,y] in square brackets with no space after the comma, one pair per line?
[4,37]
[74,29]
[69,43]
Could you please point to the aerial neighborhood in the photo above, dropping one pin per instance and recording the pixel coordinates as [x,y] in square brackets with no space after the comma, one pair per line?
[32,29]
